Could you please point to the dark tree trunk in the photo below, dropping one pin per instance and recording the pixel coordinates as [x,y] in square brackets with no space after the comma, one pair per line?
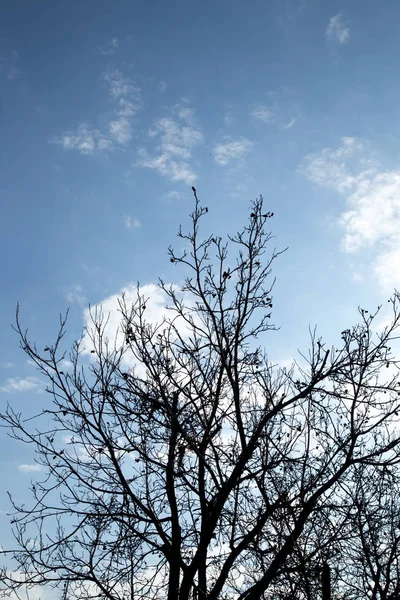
[326,582]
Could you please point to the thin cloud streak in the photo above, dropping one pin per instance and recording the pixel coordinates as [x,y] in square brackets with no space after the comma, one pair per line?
[262,113]
[30,468]
[20,384]
[290,124]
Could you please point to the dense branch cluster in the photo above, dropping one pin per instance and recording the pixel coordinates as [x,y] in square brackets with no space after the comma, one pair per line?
[203,471]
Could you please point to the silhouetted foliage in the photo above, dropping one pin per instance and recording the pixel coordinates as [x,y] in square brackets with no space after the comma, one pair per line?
[203,471]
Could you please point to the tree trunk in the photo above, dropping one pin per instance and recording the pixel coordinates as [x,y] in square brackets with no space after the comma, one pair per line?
[326,582]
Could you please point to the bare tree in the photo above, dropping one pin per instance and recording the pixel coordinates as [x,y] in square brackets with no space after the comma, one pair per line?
[203,471]
[372,552]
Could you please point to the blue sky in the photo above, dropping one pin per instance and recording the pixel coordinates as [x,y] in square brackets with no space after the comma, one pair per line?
[110,111]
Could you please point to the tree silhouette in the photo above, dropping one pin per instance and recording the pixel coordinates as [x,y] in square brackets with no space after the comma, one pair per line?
[202,471]
[372,550]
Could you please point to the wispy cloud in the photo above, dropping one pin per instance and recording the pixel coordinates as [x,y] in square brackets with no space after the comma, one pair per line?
[9,65]
[290,123]
[372,216]
[20,384]
[8,365]
[176,138]
[339,169]
[263,113]
[225,153]
[162,86]
[85,139]
[121,130]
[66,364]
[187,115]
[123,91]
[127,99]
[167,166]
[75,295]
[110,47]
[30,468]
[131,222]
[174,195]
[13,71]
[337,30]
[229,118]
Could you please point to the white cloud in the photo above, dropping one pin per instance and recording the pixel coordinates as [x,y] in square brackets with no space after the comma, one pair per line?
[121,130]
[187,115]
[131,222]
[340,169]
[126,108]
[262,113]
[156,301]
[290,123]
[226,152]
[119,86]
[176,141]
[374,214]
[110,47]
[166,166]
[127,99]
[387,266]
[36,592]
[162,86]
[174,195]
[31,468]
[19,384]
[178,138]
[336,30]
[66,364]
[85,139]
[124,92]
[372,217]
[129,102]
[155,309]
[75,295]
[8,365]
